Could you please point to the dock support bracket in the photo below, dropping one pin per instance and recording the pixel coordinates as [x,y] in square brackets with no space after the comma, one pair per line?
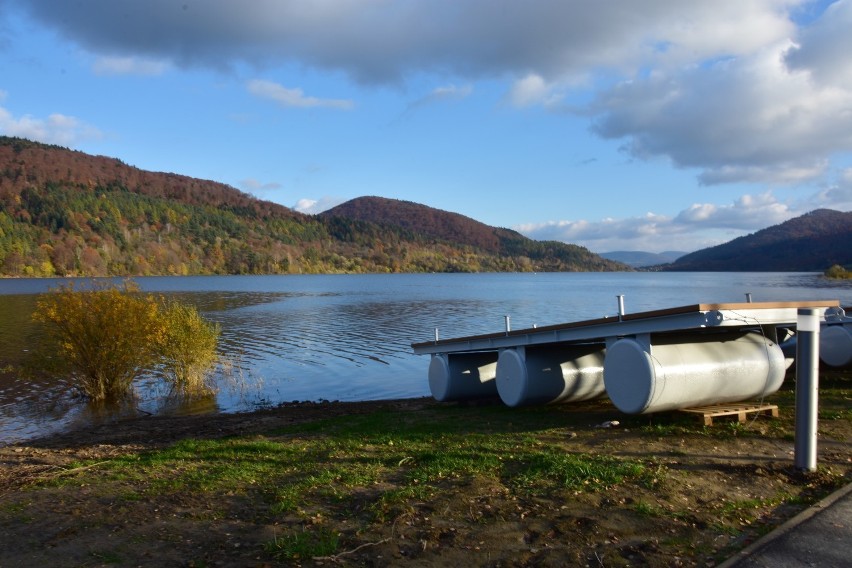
[520,350]
[643,339]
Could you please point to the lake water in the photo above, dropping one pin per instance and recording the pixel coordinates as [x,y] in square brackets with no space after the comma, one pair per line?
[348,337]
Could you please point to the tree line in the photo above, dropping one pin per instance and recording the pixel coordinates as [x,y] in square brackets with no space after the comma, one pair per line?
[66,213]
[65,230]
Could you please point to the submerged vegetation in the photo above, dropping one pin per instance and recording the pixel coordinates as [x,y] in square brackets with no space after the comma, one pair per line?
[838,272]
[106,336]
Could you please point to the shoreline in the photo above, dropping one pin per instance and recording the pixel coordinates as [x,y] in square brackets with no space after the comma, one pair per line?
[215,424]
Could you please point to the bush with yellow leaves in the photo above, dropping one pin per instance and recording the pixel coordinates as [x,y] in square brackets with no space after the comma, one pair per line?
[107,335]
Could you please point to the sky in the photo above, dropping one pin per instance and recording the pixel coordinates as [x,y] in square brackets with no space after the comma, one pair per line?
[651,125]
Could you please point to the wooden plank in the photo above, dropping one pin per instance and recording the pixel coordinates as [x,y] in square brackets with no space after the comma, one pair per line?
[740,410]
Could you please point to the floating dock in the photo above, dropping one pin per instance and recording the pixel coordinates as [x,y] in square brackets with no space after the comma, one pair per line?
[669,359]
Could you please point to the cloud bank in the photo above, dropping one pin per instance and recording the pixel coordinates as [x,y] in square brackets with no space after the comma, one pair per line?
[699,226]
[56,128]
[735,89]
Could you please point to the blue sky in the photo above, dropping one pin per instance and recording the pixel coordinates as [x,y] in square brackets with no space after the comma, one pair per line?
[619,125]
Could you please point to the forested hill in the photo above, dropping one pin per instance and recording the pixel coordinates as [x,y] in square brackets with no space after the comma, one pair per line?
[813,242]
[427,221]
[67,213]
[28,165]
[444,226]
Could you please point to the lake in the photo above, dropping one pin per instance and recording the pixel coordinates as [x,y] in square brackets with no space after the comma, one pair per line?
[348,337]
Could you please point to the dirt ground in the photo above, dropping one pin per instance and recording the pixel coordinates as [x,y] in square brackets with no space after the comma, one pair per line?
[722,490]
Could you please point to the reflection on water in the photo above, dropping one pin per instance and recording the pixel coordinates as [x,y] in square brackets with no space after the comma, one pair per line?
[348,337]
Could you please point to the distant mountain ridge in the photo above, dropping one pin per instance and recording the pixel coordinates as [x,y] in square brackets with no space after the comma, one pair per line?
[639,259]
[67,213]
[812,242]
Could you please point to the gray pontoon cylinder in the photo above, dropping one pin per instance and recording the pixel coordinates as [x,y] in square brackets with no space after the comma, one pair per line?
[835,345]
[462,376]
[711,369]
[547,375]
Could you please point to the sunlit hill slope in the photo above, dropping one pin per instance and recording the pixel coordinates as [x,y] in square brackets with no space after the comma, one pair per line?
[67,213]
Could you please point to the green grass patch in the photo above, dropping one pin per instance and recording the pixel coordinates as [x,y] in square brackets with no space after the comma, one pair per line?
[303,545]
[578,471]
[348,475]
[749,509]
[387,456]
[835,414]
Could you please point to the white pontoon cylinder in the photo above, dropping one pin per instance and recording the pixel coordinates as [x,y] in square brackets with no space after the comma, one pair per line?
[710,369]
[463,376]
[835,345]
[547,375]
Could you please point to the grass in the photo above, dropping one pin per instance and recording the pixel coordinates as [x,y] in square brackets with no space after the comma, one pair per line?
[390,458]
[325,486]
[366,450]
[305,544]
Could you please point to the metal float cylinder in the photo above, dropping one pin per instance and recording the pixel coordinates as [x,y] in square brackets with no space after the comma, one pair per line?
[711,369]
[547,375]
[462,376]
[835,345]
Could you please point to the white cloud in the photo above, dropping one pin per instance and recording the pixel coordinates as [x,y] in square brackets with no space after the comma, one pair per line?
[57,128]
[823,49]
[749,119]
[129,66]
[439,95]
[699,226]
[253,185]
[442,94]
[452,92]
[293,97]
[529,90]
[305,205]
[315,206]
[836,195]
[748,213]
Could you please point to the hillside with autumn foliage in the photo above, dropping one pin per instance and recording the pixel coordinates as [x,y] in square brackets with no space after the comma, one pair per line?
[814,241]
[67,213]
[439,226]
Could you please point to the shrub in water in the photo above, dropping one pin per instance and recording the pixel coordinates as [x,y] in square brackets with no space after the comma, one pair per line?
[106,336]
[837,271]
[103,337]
[187,350]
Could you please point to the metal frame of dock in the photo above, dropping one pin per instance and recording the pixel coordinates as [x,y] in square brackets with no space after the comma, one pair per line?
[695,318]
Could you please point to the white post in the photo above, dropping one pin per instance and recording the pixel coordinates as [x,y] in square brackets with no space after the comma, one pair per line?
[620,306]
[807,385]
[508,324]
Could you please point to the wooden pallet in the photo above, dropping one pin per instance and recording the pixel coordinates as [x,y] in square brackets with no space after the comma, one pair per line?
[740,409]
